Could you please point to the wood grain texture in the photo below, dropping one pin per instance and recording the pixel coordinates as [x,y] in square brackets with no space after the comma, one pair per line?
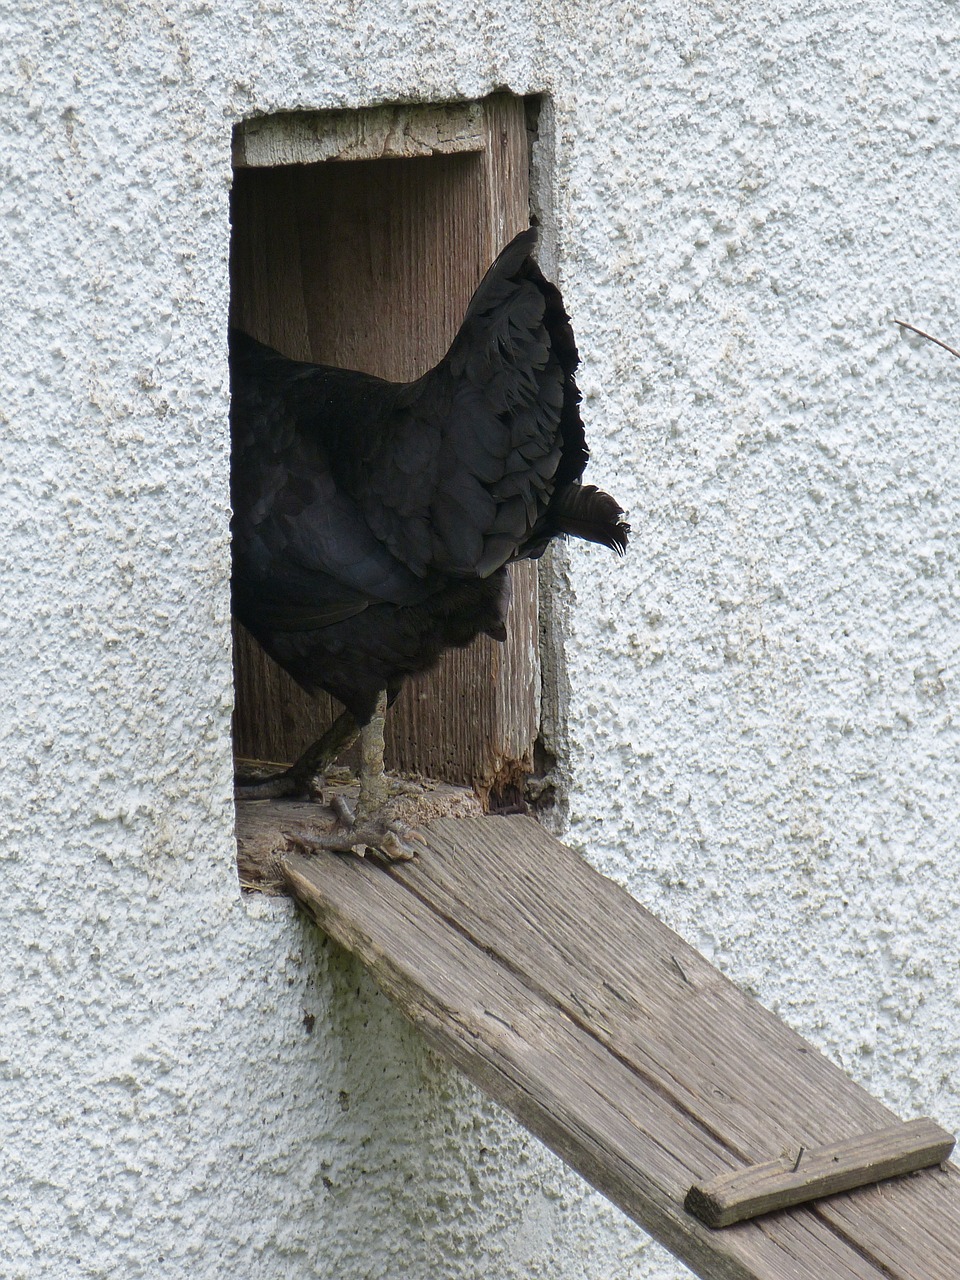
[370,265]
[822,1171]
[622,1048]
[403,130]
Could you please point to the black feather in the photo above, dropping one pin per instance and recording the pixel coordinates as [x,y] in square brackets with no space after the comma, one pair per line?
[373,521]
[587,512]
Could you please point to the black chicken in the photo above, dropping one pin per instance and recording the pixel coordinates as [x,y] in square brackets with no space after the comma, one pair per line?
[374,521]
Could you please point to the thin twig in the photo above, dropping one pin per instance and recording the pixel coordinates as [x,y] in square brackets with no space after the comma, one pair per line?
[677,966]
[799,1158]
[929,337]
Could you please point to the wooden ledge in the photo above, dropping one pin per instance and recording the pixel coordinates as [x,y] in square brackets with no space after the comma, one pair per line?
[616,1043]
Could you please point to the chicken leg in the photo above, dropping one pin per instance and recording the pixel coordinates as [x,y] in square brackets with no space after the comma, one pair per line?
[306,776]
[368,828]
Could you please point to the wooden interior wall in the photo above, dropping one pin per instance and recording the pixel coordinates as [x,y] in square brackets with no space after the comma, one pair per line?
[369,264]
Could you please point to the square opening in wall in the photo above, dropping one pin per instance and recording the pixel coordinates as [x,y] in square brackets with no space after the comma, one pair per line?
[357,241]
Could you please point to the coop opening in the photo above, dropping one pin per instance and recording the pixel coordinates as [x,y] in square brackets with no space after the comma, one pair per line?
[357,239]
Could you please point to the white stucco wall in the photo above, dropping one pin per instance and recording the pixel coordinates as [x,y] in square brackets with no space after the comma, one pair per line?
[761,701]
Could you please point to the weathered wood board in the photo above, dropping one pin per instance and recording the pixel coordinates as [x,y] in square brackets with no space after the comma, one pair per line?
[823,1171]
[619,1045]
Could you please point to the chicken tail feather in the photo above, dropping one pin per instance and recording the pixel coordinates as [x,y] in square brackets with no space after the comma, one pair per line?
[587,512]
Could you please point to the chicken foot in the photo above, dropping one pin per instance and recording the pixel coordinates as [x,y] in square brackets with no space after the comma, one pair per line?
[355,831]
[368,828]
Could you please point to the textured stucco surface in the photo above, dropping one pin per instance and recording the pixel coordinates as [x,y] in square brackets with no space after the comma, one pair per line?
[760,730]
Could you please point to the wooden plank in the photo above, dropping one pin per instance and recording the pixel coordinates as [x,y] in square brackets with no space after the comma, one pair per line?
[621,1047]
[688,1033]
[398,131]
[823,1171]
[370,265]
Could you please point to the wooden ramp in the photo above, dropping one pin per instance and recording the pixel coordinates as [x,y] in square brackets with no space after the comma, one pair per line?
[617,1044]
